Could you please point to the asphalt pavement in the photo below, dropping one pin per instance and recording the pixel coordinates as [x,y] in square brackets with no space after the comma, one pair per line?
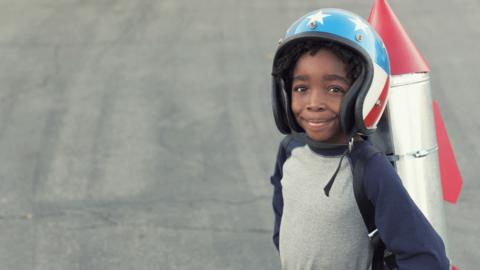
[139,134]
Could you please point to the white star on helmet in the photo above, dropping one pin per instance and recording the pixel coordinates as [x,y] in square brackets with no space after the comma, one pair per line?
[359,24]
[319,16]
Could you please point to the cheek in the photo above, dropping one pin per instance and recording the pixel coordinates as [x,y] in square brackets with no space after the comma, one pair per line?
[336,105]
[296,105]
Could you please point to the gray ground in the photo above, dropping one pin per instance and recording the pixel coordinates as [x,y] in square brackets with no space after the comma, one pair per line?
[139,135]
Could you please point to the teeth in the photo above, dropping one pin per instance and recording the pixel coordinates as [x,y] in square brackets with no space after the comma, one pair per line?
[317,123]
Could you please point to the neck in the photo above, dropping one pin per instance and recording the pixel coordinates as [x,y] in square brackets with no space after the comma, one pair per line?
[322,148]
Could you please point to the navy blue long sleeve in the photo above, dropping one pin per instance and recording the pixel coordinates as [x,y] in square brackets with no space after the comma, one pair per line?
[277,201]
[402,226]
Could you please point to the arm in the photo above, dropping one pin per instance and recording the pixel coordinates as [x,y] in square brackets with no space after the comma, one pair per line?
[402,226]
[277,201]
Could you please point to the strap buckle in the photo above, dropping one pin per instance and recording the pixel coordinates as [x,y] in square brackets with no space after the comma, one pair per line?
[374,237]
[350,144]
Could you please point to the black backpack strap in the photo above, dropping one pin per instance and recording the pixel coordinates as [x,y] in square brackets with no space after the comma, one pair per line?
[366,207]
[382,258]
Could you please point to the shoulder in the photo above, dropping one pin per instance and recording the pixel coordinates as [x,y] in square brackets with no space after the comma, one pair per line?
[285,148]
[371,157]
[292,141]
[287,144]
[379,174]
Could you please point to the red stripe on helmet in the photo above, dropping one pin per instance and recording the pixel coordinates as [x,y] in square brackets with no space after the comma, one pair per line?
[376,111]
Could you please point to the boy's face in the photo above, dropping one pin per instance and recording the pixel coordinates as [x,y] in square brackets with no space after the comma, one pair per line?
[318,86]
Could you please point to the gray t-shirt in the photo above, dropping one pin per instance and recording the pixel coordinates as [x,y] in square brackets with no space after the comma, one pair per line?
[320,232]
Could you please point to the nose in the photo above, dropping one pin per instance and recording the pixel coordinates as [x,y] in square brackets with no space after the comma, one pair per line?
[317,101]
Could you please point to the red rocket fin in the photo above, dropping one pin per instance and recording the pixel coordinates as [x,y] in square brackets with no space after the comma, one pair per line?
[404,56]
[449,172]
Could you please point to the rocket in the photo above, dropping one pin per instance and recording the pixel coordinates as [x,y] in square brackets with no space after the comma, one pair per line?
[412,131]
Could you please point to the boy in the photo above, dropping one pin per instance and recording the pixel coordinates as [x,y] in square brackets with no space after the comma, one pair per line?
[330,77]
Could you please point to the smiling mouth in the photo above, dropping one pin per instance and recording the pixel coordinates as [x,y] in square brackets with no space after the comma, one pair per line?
[318,123]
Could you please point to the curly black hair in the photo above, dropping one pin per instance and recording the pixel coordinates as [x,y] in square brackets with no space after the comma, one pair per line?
[285,64]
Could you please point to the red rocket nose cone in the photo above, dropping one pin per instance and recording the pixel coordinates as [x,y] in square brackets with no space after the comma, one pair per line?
[404,56]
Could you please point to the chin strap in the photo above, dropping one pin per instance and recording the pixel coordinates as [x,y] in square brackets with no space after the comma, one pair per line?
[328,186]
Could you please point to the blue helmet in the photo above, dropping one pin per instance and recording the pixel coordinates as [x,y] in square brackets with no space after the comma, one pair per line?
[365,101]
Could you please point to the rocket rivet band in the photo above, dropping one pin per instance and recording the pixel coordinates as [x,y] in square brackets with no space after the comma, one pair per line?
[424,153]
[358,37]
[417,154]
[312,24]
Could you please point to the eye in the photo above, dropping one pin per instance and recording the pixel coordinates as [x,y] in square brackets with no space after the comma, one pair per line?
[299,89]
[336,90]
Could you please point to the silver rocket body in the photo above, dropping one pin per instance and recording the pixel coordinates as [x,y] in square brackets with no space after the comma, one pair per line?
[407,134]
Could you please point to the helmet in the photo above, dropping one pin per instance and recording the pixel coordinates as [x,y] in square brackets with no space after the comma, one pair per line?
[365,101]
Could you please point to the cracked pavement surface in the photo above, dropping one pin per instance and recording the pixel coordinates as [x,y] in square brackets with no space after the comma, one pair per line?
[138,134]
